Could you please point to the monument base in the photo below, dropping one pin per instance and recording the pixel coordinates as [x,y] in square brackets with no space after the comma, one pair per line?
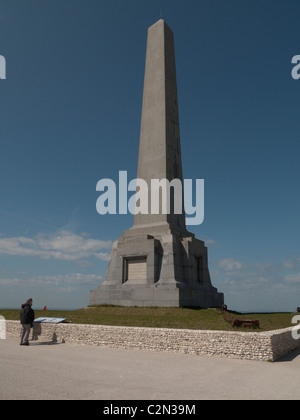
[167,269]
[171,297]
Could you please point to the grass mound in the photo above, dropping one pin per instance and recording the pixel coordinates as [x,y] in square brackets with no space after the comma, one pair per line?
[181,318]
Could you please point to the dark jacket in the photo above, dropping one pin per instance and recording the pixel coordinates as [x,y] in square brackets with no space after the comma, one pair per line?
[26,314]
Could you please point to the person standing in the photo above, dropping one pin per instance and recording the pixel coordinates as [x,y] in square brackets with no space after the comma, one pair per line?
[26,319]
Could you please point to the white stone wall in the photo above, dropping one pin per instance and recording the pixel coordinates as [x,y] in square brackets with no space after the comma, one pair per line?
[265,346]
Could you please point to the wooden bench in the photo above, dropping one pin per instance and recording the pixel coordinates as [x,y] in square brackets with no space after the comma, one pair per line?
[251,323]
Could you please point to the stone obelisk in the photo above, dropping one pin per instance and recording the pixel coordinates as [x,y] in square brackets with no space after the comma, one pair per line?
[158,262]
[160,154]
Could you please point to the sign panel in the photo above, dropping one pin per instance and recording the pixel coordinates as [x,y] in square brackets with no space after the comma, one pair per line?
[48,320]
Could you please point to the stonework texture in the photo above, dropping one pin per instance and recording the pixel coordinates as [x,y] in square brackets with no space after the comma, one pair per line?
[265,346]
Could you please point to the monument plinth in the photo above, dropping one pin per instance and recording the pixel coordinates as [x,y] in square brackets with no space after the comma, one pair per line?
[158,262]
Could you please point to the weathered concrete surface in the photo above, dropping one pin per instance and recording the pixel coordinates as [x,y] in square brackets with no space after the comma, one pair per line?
[173,269]
[160,151]
[69,371]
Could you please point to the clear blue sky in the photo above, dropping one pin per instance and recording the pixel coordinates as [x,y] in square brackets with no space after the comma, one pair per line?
[70,115]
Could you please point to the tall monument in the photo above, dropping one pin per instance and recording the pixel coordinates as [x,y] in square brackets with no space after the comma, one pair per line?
[158,262]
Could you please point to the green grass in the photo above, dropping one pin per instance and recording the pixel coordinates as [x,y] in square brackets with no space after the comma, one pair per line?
[201,319]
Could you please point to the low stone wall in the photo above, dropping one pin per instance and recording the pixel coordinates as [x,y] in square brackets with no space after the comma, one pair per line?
[266,346]
[283,342]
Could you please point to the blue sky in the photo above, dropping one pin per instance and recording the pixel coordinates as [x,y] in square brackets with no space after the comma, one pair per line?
[70,113]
